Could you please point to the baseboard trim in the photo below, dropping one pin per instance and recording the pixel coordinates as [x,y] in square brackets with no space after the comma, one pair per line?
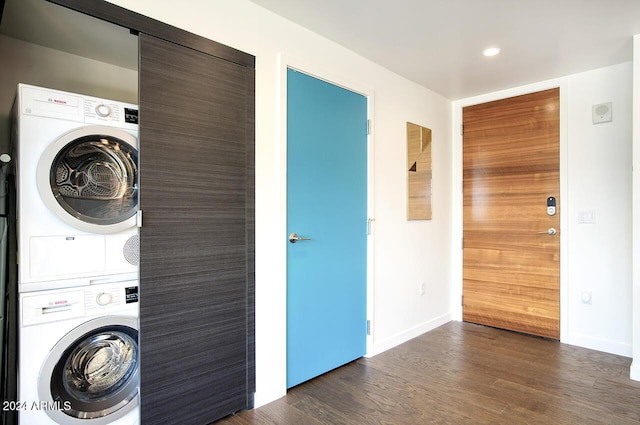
[605,345]
[634,370]
[402,337]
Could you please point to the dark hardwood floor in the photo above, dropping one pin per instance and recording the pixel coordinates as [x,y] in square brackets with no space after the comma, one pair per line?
[461,373]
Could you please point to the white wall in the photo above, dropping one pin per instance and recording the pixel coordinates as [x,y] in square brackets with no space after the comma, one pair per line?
[408,254]
[599,174]
[595,175]
[404,254]
[635,366]
[29,63]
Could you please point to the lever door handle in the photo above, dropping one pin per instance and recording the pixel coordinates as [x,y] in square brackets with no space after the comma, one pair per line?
[293,238]
[550,231]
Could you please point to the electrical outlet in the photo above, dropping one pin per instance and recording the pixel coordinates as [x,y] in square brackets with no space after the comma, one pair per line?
[423,289]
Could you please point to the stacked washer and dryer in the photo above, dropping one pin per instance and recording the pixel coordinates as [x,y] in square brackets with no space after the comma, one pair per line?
[78,257]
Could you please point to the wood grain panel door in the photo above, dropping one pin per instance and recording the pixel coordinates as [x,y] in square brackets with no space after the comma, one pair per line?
[511,258]
[196,244]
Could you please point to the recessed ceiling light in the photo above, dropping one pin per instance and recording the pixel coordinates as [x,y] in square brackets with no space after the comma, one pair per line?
[491,51]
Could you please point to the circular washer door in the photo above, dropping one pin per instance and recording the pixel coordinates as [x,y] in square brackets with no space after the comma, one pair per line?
[91,375]
[88,177]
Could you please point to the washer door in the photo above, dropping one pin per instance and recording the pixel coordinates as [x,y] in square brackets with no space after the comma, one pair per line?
[91,376]
[89,178]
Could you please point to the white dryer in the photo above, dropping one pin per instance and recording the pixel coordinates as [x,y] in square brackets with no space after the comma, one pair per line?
[77,182]
[78,356]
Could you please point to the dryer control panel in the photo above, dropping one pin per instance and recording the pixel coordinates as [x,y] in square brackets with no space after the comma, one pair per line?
[51,103]
[98,111]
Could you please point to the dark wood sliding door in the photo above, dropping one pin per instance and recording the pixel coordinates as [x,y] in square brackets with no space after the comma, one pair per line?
[196,175]
[196,243]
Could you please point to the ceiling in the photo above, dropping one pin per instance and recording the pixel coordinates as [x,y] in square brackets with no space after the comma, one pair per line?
[436,43]
[439,43]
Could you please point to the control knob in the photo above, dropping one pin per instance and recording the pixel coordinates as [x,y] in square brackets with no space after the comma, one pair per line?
[104,298]
[103,110]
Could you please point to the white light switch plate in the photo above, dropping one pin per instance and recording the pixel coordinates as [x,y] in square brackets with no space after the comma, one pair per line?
[587,217]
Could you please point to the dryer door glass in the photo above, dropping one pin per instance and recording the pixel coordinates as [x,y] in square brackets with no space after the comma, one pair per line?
[98,374]
[94,178]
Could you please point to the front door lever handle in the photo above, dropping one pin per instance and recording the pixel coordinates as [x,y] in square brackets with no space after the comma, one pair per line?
[550,231]
[293,238]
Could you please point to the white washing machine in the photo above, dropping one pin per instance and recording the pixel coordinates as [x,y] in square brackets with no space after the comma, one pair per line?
[78,357]
[77,182]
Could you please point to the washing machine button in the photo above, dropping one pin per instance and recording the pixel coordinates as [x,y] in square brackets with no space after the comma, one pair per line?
[103,110]
[104,298]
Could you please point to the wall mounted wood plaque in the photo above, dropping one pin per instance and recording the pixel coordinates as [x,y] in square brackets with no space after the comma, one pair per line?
[418,172]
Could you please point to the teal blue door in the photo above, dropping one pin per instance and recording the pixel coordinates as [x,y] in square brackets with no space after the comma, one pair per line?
[326,203]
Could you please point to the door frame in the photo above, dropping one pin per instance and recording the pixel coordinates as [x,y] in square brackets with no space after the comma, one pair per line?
[456,255]
[317,70]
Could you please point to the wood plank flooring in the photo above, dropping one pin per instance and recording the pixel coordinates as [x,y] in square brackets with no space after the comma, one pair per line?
[461,373]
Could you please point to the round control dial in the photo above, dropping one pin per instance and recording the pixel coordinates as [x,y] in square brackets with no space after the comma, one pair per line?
[104,298]
[103,110]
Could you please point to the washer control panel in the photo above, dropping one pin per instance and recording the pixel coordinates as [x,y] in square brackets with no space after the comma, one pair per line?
[104,298]
[62,304]
[50,306]
[107,297]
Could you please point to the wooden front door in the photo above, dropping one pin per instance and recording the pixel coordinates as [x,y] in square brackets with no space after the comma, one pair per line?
[511,246]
